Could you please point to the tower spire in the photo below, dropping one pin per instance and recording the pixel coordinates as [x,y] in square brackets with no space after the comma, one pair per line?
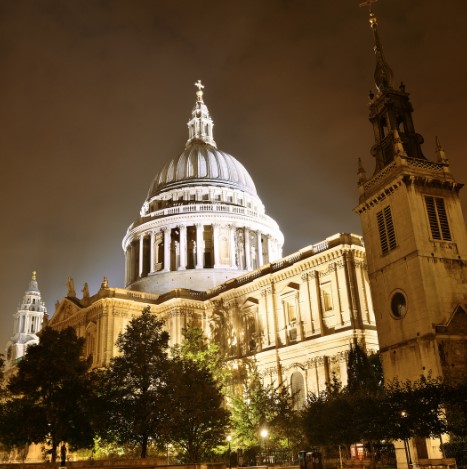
[200,126]
[390,110]
[384,78]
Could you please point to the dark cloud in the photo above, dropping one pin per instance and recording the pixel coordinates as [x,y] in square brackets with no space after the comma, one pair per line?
[96,95]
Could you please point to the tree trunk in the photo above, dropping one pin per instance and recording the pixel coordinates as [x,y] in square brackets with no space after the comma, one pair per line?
[144,447]
[373,455]
[53,452]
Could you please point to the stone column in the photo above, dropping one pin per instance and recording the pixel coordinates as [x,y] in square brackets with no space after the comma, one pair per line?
[199,246]
[153,254]
[270,248]
[259,245]
[166,249]
[232,231]
[132,263]
[319,302]
[265,314]
[247,250]
[127,270]
[183,247]
[215,235]
[141,253]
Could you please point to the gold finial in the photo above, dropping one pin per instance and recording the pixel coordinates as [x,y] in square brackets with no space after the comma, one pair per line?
[199,93]
[369,3]
[34,276]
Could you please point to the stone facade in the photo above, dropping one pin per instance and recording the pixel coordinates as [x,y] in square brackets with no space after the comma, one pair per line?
[297,316]
[416,246]
[415,241]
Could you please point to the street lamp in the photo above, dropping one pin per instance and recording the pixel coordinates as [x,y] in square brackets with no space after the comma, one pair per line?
[229,439]
[264,434]
[406,446]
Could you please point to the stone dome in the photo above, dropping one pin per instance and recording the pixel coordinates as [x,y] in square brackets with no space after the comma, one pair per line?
[202,222]
[202,164]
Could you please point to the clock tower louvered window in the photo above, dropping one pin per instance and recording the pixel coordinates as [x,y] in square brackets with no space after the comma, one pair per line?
[387,235]
[437,218]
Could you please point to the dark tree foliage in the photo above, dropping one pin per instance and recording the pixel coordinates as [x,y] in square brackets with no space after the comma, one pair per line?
[456,411]
[2,364]
[417,408]
[198,420]
[364,371]
[328,418]
[51,395]
[33,423]
[134,388]
[370,414]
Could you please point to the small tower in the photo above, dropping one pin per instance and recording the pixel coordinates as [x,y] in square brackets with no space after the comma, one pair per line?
[27,323]
[415,239]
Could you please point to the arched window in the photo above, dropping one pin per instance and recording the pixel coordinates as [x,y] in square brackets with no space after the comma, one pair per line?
[297,385]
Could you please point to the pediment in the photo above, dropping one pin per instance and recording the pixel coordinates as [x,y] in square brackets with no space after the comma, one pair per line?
[65,309]
[457,322]
[249,302]
[291,287]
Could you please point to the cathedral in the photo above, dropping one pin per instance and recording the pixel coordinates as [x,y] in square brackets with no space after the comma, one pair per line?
[204,252]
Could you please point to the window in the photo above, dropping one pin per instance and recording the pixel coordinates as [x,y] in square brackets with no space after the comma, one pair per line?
[437,218]
[398,305]
[387,235]
[290,310]
[327,298]
[297,384]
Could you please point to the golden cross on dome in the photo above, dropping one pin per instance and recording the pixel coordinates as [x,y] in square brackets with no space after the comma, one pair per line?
[367,3]
[199,85]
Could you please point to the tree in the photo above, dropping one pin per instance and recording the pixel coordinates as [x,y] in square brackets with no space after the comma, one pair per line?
[355,413]
[456,410]
[364,371]
[196,347]
[328,417]
[50,395]
[258,406]
[417,408]
[135,385]
[198,419]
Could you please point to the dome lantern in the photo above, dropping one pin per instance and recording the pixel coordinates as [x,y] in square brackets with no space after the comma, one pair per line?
[200,126]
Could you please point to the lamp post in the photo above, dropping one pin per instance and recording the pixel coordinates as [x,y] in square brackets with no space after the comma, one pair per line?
[229,439]
[264,434]
[406,446]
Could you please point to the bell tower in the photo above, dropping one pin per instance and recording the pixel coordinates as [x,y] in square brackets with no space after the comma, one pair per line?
[415,240]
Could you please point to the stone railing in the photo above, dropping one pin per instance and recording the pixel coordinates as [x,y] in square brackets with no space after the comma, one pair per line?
[411,162]
[204,208]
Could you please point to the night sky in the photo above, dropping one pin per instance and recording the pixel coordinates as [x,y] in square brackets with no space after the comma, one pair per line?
[96,94]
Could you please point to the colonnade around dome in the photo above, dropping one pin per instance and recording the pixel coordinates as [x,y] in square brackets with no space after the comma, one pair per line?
[198,246]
